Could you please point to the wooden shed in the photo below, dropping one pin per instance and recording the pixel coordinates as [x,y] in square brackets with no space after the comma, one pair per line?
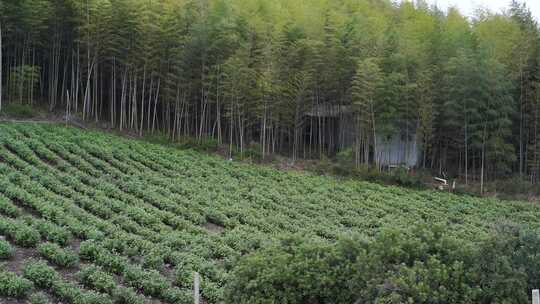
[401,148]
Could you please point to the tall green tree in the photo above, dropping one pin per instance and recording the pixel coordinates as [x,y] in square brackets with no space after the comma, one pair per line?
[461,104]
[365,89]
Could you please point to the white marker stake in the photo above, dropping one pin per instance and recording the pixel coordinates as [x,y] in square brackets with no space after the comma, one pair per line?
[196,285]
[535,296]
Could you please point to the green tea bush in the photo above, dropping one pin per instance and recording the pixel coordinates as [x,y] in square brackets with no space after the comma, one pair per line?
[7,208]
[183,275]
[92,251]
[90,233]
[39,298]
[89,250]
[14,286]
[26,237]
[118,245]
[91,297]
[112,262]
[212,291]
[6,251]
[154,260]
[149,281]
[178,296]
[40,273]
[67,291]
[52,232]
[58,255]
[95,278]
[123,295]
[71,293]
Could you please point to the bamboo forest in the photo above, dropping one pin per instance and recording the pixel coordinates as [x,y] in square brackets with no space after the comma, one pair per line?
[306,79]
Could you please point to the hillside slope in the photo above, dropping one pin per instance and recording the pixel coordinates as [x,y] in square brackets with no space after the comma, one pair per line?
[148,216]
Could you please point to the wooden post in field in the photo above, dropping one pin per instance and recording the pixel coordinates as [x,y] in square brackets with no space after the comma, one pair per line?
[535,296]
[196,286]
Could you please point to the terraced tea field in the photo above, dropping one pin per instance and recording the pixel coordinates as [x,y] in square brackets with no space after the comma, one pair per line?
[93,218]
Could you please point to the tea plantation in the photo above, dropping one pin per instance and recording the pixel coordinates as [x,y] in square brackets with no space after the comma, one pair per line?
[87,217]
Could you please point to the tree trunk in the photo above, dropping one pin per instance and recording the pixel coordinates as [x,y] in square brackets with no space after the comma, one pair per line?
[142,101]
[31,86]
[155,106]
[466,153]
[263,133]
[149,109]
[521,123]
[375,151]
[86,99]
[231,118]
[482,169]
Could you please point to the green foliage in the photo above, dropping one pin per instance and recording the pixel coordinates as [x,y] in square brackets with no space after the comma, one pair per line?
[88,250]
[6,251]
[40,273]
[124,295]
[7,208]
[150,282]
[202,145]
[154,260]
[19,232]
[424,266]
[46,277]
[365,89]
[404,177]
[181,296]
[26,237]
[92,251]
[91,297]
[67,291]
[58,255]
[344,166]
[70,292]
[51,232]
[19,111]
[38,298]
[24,80]
[249,153]
[12,285]
[515,187]
[95,278]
